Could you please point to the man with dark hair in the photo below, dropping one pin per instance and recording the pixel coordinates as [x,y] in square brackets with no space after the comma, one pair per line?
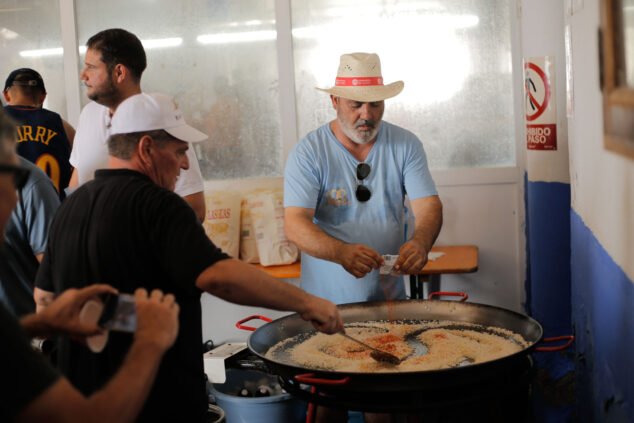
[127,226]
[119,46]
[31,390]
[114,62]
[44,138]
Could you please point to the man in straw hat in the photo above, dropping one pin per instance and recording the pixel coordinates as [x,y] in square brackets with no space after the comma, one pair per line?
[344,190]
[127,227]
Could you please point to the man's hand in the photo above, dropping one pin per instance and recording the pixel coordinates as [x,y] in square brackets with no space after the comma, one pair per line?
[412,257]
[157,318]
[122,398]
[62,315]
[324,315]
[359,260]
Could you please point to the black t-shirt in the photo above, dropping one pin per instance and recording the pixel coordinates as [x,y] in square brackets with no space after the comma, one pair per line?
[25,373]
[124,230]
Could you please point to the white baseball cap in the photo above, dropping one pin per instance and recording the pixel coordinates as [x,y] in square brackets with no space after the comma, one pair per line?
[149,112]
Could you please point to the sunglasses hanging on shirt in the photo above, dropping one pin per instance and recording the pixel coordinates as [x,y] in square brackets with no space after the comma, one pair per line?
[362,192]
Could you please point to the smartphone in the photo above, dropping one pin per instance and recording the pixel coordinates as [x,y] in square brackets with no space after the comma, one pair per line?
[119,313]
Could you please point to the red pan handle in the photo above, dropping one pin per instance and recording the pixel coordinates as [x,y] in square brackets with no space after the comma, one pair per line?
[455,294]
[239,325]
[570,338]
[310,379]
[310,414]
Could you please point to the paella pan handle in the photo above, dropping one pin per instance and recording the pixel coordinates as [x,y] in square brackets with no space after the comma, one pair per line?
[239,325]
[570,338]
[454,294]
[309,379]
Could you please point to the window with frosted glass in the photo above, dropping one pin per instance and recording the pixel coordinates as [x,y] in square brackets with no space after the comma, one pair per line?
[219,59]
[31,37]
[454,57]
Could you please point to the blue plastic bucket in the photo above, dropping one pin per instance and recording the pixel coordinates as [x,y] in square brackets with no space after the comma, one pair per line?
[271,409]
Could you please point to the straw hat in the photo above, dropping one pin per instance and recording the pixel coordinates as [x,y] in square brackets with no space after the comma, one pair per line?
[359,78]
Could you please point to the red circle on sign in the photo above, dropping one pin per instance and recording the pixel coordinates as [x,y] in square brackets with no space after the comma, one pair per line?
[542,106]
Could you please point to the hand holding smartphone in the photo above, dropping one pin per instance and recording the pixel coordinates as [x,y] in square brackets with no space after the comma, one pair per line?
[119,313]
[112,312]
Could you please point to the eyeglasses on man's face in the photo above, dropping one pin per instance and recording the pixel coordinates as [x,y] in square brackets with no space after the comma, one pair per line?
[19,175]
[362,192]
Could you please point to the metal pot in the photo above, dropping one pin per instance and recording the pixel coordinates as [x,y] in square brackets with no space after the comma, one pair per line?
[287,327]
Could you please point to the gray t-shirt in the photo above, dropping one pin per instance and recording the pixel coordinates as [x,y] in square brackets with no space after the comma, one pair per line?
[26,236]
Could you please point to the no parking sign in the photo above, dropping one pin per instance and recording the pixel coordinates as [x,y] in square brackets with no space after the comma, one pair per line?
[540,104]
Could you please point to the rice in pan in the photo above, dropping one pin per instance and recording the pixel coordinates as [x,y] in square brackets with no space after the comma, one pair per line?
[421,346]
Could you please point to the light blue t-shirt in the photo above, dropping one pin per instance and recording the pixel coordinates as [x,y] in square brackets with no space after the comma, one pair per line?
[26,235]
[321,175]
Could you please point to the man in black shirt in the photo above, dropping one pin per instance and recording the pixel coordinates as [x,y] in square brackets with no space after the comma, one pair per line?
[127,228]
[31,390]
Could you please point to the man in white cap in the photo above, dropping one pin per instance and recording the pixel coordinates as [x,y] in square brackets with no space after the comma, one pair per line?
[32,390]
[344,190]
[127,227]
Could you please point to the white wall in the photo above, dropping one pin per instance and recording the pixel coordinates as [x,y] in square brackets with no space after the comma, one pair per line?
[542,26]
[485,216]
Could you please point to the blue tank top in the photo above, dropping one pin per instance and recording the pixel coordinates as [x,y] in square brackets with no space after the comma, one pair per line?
[43,141]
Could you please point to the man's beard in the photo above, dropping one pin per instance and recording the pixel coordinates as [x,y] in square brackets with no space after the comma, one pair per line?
[360,137]
[106,96]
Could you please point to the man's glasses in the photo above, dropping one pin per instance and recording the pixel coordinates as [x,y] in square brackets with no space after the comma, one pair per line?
[19,175]
[362,193]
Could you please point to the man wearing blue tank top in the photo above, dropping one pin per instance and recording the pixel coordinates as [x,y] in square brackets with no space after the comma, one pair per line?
[44,138]
[344,190]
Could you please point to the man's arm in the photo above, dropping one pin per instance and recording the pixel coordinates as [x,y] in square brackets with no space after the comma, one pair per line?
[197,202]
[40,203]
[190,185]
[428,221]
[70,132]
[242,283]
[61,316]
[42,298]
[74,179]
[123,397]
[357,259]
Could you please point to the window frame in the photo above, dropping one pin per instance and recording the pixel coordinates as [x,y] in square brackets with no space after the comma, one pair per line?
[618,99]
[287,100]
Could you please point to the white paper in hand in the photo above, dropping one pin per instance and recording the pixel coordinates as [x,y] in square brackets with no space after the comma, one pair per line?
[388,267]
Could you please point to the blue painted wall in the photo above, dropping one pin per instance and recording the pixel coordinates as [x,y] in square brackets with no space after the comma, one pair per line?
[548,238]
[548,292]
[603,317]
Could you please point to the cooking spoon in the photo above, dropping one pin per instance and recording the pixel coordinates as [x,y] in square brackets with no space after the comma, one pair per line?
[378,355]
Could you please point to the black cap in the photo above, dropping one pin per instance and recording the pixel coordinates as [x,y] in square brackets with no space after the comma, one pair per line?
[25,77]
